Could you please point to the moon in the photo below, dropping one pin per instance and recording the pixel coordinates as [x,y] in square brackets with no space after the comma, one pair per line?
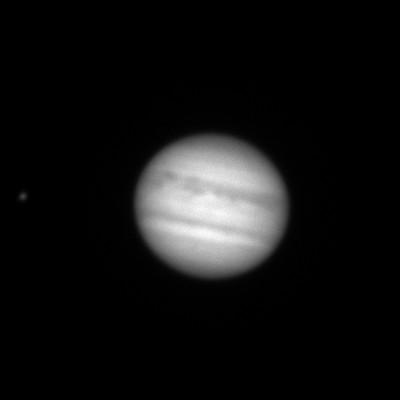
[211,206]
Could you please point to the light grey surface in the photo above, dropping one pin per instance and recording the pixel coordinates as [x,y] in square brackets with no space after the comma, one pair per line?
[211,204]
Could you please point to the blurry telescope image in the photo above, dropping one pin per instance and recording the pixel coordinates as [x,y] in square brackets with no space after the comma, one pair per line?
[211,206]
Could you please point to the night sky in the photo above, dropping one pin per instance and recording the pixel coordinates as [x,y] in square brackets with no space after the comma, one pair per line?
[300,126]
[119,290]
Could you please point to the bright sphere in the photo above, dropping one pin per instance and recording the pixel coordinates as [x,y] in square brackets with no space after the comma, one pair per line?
[211,206]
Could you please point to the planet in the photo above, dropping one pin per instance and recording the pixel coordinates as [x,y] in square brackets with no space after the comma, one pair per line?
[211,206]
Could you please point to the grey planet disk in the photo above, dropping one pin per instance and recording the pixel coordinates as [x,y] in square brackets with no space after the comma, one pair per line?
[211,206]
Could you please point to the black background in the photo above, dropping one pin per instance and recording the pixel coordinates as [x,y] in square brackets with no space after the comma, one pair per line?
[81,279]
[119,299]
[302,294]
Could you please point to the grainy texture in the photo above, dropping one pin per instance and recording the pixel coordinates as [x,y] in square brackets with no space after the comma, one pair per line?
[210,205]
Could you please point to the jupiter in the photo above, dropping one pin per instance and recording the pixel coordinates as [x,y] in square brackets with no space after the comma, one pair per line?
[211,206]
